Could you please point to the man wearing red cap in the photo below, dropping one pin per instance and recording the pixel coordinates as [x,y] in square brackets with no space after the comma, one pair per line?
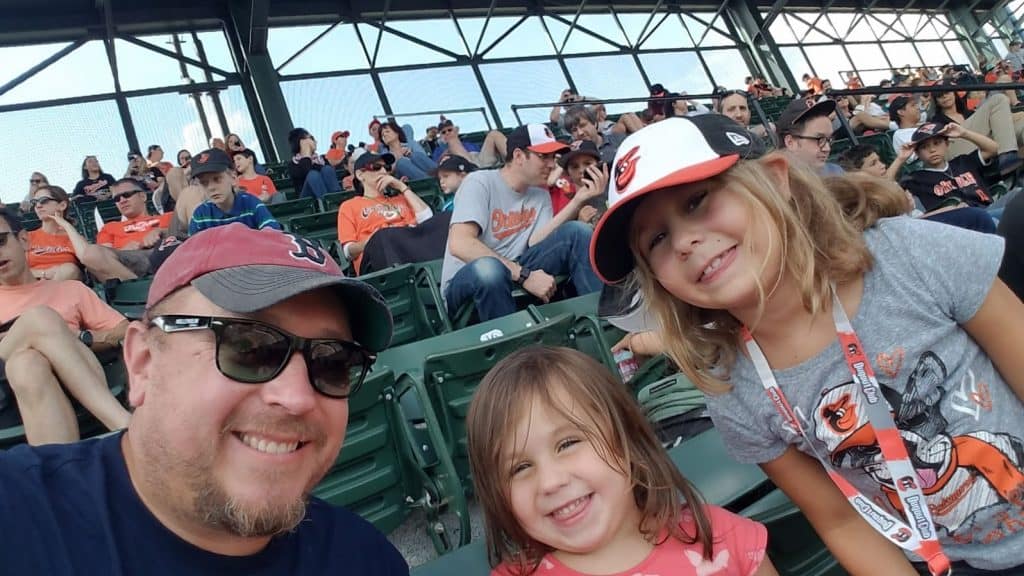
[240,373]
[503,231]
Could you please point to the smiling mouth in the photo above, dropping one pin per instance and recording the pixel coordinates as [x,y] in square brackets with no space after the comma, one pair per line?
[716,263]
[571,508]
[266,446]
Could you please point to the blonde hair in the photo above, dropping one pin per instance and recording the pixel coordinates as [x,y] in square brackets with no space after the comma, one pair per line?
[612,422]
[819,226]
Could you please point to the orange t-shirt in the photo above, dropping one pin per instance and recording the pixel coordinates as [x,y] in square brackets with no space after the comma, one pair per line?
[254,186]
[79,306]
[360,217]
[120,234]
[335,154]
[49,250]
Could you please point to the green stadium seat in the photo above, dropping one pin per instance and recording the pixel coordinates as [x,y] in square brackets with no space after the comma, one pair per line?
[333,201]
[29,221]
[276,169]
[429,190]
[398,286]
[322,226]
[381,473]
[774,105]
[85,216]
[600,336]
[793,545]
[128,296]
[12,432]
[285,211]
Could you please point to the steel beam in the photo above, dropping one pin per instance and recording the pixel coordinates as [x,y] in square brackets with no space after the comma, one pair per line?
[39,67]
[170,54]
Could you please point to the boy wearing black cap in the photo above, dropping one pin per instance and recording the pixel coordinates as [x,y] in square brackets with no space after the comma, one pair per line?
[503,231]
[215,172]
[452,171]
[941,184]
[376,207]
[582,164]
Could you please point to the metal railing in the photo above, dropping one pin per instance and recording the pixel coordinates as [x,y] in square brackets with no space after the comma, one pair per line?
[438,113]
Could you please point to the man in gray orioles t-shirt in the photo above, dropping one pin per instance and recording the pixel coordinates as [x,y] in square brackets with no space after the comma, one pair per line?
[503,232]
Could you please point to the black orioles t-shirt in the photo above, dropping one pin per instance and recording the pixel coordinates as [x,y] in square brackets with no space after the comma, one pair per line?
[960,181]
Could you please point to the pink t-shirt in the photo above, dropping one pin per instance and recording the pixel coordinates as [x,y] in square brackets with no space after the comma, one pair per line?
[79,306]
[738,549]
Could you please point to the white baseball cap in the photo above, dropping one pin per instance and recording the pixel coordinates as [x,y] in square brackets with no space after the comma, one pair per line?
[668,153]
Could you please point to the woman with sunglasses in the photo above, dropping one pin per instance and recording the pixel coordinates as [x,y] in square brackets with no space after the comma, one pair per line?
[382,201]
[36,180]
[312,175]
[95,183]
[233,143]
[51,256]
[991,118]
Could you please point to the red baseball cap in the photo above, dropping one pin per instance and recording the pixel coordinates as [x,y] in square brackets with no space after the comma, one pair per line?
[343,133]
[244,270]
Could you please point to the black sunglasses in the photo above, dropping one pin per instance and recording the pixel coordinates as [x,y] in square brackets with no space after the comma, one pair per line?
[36,181]
[375,167]
[41,201]
[124,195]
[254,352]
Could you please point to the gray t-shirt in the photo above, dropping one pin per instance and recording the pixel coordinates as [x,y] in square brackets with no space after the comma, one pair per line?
[960,421]
[506,218]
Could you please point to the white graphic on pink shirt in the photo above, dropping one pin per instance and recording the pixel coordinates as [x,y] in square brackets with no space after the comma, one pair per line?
[704,567]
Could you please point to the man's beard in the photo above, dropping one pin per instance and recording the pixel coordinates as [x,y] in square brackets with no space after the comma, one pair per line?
[215,508]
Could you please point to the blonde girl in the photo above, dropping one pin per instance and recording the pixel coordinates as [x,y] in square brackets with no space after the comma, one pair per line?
[870,365]
[573,481]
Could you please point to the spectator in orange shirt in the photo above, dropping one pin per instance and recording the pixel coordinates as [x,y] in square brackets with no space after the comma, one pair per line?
[383,201]
[339,147]
[51,255]
[123,249]
[258,185]
[155,159]
[138,229]
[813,84]
[853,81]
[47,329]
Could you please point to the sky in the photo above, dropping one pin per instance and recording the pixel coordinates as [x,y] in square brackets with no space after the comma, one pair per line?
[55,140]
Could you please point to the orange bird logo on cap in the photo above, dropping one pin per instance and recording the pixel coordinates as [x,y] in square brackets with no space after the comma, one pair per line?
[625,168]
[203,158]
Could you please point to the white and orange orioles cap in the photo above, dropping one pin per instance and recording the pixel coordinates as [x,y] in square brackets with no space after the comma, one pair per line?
[668,153]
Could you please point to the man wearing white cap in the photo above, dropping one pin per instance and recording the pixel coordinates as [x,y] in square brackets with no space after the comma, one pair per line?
[504,233]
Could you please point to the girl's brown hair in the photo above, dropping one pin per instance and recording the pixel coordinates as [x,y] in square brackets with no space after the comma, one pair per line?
[612,422]
[820,229]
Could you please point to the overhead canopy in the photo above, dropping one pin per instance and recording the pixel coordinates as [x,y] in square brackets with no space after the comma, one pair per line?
[26,21]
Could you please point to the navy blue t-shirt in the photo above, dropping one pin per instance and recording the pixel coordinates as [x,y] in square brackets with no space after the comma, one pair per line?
[72,509]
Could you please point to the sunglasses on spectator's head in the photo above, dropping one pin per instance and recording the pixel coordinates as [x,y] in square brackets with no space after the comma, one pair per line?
[254,352]
[124,195]
[41,201]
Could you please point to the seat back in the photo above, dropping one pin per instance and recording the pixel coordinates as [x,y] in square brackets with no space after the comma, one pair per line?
[129,296]
[322,226]
[368,476]
[29,221]
[398,287]
[284,212]
[334,200]
[429,190]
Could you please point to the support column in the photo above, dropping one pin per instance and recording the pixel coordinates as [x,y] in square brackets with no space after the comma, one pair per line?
[975,40]
[246,27]
[763,54]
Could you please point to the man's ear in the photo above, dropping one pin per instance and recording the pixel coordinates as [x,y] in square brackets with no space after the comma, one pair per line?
[138,361]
